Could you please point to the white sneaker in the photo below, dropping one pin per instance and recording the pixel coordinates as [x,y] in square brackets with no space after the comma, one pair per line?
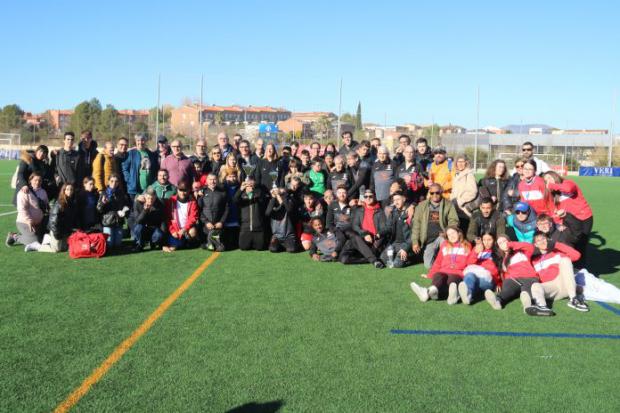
[526,300]
[33,246]
[464,293]
[46,239]
[491,298]
[421,292]
[433,292]
[453,294]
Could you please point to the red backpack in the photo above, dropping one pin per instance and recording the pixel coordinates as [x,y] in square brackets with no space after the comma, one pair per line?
[83,245]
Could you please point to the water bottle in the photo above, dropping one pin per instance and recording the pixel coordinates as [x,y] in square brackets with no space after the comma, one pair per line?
[390,254]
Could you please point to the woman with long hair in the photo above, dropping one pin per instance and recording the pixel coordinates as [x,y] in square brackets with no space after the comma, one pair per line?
[268,166]
[494,183]
[230,167]
[532,189]
[511,192]
[447,270]
[293,171]
[482,271]
[464,190]
[330,148]
[62,222]
[216,161]
[32,210]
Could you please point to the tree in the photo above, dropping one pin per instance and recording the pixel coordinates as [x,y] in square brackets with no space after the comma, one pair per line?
[108,123]
[322,126]
[218,118]
[85,116]
[358,117]
[347,118]
[431,132]
[11,118]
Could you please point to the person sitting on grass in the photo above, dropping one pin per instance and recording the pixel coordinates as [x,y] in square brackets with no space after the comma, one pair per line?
[280,211]
[565,233]
[482,271]
[521,225]
[518,280]
[112,206]
[251,202]
[430,220]
[149,218]
[311,208]
[553,261]
[486,220]
[62,223]
[181,219]
[369,235]
[325,244]
[32,208]
[213,213]
[399,217]
[447,270]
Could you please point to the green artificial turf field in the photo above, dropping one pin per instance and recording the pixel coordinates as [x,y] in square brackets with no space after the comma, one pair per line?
[265,332]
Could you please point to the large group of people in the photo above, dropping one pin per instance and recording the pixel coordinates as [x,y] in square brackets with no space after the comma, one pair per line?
[511,234]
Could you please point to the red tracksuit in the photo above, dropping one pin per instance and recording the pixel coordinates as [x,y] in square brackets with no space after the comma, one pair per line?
[450,260]
[519,265]
[533,193]
[572,200]
[548,265]
[485,260]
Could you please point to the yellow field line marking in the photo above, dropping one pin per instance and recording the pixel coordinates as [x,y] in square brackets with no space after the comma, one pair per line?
[119,351]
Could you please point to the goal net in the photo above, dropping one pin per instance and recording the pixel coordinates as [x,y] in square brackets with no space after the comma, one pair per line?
[555,161]
[10,145]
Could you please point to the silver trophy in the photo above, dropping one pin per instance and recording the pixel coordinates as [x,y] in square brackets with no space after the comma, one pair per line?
[248,169]
[274,178]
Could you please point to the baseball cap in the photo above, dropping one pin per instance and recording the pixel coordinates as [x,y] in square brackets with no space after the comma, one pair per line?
[439,149]
[522,207]
[162,139]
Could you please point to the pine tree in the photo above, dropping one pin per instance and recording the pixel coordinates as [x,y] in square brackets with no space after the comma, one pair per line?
[358,117]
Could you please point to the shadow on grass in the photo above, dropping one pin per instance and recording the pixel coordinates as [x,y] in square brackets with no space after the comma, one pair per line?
[254,407]
[601,260]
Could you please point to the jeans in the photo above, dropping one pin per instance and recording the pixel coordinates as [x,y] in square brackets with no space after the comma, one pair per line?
[142,234]
[430,252]
[115,236]
[477,285]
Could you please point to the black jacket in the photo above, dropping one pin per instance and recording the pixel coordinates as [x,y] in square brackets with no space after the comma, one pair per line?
[69,167]
[213,206]
[494,187]
[282,216]
[109,210]
[381,177]
[63,221]
[27,166]
[88,219]
[335,179]
[88,156]
[264,178]
[361,179]
[153,218]
[379,219]
[339,218]
[423,161]
[478,225]
[251,210]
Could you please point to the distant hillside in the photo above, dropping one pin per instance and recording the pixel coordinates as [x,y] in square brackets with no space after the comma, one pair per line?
[526,127]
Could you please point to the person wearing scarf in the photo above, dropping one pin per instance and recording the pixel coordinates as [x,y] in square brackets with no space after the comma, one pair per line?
[182,218]
[521,225]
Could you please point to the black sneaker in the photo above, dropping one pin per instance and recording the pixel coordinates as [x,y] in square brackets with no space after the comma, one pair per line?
[379,265]
[136,248]
[539,310]
[10,239]
[578,304]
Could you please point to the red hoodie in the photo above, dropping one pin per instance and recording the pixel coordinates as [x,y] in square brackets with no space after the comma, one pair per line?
[572,200]
[368,222]
[485,260]
[451,259]
[519,265]
[548,265]
[534,193]
[172,217]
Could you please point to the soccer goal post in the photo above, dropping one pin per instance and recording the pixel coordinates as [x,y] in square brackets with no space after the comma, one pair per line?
[10,145]
[556,161]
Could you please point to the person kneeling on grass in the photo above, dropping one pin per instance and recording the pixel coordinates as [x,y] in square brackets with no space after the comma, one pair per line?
[447,270]
[325,244]
[519,279]
[482,272]
[553,261]
[280,211]
[213,213]
[32,208]
[181,218]
[251,202]
[149,225]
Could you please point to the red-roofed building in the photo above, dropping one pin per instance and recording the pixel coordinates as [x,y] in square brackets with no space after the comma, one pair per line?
[60,119]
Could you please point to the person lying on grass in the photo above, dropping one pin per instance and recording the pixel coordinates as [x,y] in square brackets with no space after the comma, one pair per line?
[447,269]
[519,279]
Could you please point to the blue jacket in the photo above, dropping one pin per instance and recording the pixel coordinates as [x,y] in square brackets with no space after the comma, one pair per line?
[131,170]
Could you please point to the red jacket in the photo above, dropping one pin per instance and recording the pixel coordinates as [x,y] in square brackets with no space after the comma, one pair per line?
[485,260]
[548,265]
[451,259]
[535,194]
[519,265]
[572,200]
[172,218]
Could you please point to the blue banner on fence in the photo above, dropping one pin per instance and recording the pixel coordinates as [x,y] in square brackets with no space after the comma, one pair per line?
[598,171]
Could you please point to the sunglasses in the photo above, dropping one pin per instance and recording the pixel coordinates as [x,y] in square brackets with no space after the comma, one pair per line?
[369,196]
[434,193]
[521,213]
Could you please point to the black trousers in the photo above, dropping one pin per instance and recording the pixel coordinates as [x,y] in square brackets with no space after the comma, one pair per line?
[512,288]
[288,244]
[354,247]
[252,240]
[230,238]
[583,241]
[442,281]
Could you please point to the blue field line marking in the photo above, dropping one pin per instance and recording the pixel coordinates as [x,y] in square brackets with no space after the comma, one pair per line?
[609,307]
[502,334]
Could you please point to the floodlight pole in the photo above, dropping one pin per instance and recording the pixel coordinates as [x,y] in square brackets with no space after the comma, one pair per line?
[157,112]
[477,129]
[339,112]
[202,76]
[611,129]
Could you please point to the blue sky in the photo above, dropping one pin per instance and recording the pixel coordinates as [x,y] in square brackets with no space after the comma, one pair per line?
[555,63]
